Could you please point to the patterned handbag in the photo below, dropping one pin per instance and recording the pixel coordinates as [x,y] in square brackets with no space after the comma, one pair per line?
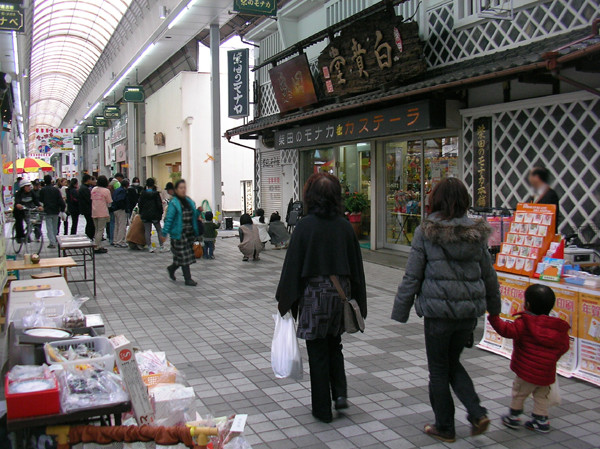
[353,320]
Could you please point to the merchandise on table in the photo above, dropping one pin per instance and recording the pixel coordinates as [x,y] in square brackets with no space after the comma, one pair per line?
[39,314]
[156,369]
[589,337]
[31,391]
[88,388]
[172,404]
[81,353]
[74,317]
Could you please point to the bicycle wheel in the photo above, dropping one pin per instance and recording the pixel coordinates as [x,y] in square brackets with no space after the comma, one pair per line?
[15,243]
[33,245]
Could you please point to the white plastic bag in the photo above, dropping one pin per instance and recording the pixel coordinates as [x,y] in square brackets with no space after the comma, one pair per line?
[286,359]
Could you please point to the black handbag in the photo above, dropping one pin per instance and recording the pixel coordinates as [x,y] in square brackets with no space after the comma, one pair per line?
[353,320]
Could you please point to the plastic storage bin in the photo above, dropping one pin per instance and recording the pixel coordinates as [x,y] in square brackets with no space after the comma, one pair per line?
[53,311]
[97,344]
[36,403]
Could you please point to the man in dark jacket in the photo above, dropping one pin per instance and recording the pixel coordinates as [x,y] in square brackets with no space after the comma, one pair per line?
[133,194]
[539,180]
[53,203]
[24,200]
[85,203]
[150,207]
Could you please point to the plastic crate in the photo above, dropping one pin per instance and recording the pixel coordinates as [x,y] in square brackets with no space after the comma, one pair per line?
[52,311]
[97,344]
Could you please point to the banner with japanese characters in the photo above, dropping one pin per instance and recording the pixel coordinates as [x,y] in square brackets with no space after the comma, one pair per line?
[588,368]
[405,118]
[482,162]
[48,140]
[238,83]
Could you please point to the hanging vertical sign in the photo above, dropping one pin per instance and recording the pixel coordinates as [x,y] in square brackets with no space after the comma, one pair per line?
[238,83]
[482,162]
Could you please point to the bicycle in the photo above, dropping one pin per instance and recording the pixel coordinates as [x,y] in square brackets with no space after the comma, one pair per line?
[32,223]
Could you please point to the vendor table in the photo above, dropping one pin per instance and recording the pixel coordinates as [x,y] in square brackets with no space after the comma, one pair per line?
[62,263]
[25,299]
[403,221]
[81,249]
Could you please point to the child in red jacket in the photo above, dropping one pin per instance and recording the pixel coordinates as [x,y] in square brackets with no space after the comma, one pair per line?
[539,341]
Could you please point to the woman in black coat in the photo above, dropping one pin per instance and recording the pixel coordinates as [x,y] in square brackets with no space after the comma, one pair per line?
[323,244]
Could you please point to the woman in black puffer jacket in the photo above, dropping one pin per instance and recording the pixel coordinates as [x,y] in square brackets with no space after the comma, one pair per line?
[450,273]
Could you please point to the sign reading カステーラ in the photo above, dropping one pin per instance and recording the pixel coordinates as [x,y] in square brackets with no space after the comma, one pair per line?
[238,83]
[375,51]
[256,7]
[419,116]
[482,162]
[293,84]
[11,16]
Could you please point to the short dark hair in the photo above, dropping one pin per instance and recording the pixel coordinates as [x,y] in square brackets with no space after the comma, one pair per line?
[150,183]
[539,299]
[208,216]
[245,219]
[260,213]
[450,198]
[125,183]
[119,175]
[275,217]
[48,180]
[73,182]
[135,179]
[323,195]
[169,186]
[541,172]
[102,181]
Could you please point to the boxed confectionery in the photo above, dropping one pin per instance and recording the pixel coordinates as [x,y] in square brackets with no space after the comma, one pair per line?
[31,391]
[130,372]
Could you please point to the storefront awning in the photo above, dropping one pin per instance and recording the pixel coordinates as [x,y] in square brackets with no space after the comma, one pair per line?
[567,48]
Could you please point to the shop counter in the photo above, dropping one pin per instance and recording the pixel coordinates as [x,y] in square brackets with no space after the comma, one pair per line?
[578,305]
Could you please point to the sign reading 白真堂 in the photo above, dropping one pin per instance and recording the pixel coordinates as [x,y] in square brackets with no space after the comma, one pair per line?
[376,51]
[238,83]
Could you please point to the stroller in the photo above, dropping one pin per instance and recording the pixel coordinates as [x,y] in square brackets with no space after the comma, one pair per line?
[295,212]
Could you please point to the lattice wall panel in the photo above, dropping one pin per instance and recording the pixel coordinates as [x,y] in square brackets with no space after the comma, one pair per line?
[564,136]
[257,190]
[541,20]
[268,104]
[291,157]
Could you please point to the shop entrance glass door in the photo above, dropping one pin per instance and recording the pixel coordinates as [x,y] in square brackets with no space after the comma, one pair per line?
[402,190]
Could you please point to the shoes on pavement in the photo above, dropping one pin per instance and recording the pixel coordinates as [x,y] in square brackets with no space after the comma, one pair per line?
[51,246]
[100,250]
[433,432]
[479,426]
[539,424]
[191,282]
[341,403]
[512,421]
[323,418]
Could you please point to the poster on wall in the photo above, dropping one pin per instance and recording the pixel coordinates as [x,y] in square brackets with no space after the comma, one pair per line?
[49,140]
[588,368]
[238,83]
[293,84]
[482,162]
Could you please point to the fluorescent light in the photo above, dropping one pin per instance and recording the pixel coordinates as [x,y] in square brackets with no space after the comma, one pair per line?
[16,50]
[82,122]
[181,14]
[131,67]
[91,110]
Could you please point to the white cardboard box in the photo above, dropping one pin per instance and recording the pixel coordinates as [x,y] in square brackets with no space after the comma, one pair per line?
[130,372]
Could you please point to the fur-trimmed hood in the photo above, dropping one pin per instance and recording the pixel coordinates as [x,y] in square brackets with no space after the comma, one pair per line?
[457,230]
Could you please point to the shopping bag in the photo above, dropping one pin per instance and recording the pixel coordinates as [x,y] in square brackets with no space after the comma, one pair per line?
[286,359]
[554,394]
[198,250]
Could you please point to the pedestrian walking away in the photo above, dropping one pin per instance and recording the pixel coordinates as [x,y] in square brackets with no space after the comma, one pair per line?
[182,225]
[54,204]
[101,200]
[151,211]
[73,204]
[450,272]
[323,245]
[119,208]
[84,196]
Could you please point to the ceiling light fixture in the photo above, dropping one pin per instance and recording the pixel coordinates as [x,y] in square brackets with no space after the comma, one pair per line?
[16,51]
[131,67]
[164,12]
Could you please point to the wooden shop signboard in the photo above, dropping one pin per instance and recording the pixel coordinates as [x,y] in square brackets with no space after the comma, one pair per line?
[376,51]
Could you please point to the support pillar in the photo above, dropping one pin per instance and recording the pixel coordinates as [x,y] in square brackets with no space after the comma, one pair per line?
[132,148]
[215,101]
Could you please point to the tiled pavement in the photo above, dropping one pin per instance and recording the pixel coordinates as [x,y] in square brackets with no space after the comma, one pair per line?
[219,334]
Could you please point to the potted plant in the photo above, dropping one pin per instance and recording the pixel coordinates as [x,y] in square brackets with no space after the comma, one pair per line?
[356,203]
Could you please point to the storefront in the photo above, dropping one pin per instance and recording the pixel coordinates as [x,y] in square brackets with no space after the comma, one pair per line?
[392,155]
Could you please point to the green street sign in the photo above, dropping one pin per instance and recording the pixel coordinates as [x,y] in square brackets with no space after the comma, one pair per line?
[256,7]
[76,140]
[11,16]
[112,112]
[100,120]
[134,94]
[91,129]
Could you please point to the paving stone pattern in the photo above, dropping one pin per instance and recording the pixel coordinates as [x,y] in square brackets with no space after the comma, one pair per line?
[219,334]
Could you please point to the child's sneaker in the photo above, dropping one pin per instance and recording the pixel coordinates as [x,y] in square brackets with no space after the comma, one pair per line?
[540,424]
[511,421]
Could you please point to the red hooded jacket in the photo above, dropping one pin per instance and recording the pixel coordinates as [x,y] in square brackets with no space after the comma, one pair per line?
[539,341]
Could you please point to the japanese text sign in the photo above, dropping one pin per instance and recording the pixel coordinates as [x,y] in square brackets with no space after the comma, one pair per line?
[375,51]
[482,162]
[50,140]
[238,83]
[112,112]
[256,7]
[100,121]
[293,84]
[418,116]
[11,16]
